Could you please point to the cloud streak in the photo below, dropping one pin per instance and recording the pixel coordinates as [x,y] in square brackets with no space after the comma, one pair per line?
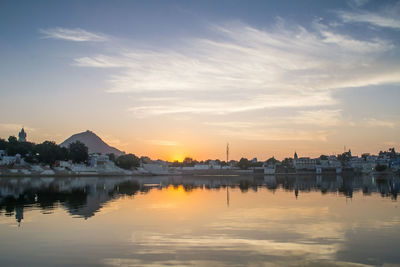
[162,142]
[76,35]
[289,61]
[387,17]
[372,122]
[370,18]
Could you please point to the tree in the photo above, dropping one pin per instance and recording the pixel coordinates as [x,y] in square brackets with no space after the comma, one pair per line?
[323,157]
[244,164]
[3,144]
[392,153]
[256,164]
[272,161]
[49,152]
[78,152]
[188,162]
[128,161]
[12,140]
[145,160]
[287,162]
[111,156]
[12,147]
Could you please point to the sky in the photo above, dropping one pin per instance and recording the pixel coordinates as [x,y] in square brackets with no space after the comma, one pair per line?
[169,79]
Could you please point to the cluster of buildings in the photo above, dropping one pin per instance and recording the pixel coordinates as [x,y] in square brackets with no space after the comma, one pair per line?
[337,164]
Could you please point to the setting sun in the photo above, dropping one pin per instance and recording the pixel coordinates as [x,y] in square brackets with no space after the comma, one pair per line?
[177,156]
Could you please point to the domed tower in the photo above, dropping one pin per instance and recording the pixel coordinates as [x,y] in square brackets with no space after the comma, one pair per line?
[22,135]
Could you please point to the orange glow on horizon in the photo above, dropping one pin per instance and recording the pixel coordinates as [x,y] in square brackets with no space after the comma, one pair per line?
[176,156]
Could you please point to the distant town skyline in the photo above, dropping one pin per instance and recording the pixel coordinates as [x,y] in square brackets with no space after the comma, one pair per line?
[95,142]
[170,79]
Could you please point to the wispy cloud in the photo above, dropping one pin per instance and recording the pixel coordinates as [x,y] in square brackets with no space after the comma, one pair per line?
[162,142]
[100,61]
[76,35]
[357,46]
[372,122]
[391,143]
[280,61]
[276,134]
[321,118]
[221,106]
[357,3]
[233,124]
[370,18]
[387,17]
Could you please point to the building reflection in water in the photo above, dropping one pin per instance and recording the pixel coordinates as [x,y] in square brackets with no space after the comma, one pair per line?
[83,197]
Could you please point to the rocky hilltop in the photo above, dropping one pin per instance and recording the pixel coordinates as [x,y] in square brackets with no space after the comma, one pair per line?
[93,142]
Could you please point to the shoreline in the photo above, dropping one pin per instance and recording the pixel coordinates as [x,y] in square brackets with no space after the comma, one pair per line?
[203,173]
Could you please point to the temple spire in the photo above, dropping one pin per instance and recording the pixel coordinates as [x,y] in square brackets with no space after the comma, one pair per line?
[22,135]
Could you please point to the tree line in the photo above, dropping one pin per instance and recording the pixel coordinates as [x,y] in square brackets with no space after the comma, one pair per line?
[47,152]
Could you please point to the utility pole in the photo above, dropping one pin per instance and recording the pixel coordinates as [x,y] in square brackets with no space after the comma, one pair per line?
[227,153]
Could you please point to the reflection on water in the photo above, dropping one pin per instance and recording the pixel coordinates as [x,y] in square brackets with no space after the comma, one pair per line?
[83,197]
[200,220]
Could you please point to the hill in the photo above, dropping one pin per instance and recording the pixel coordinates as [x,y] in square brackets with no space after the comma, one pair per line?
[93,142]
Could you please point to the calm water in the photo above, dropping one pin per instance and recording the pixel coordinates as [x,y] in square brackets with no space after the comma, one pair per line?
[213,221]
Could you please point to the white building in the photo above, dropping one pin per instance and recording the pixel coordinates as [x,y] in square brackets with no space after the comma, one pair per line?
[269,169]
[155,168]
[362,165]
[214,165]
[102,163]
[329,164]
[7,160]
[304,163]
[201,167]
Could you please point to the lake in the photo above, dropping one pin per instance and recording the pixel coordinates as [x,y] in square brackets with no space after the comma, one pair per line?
[200,221]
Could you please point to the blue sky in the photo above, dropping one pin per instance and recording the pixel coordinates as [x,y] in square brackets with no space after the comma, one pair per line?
[174,78]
